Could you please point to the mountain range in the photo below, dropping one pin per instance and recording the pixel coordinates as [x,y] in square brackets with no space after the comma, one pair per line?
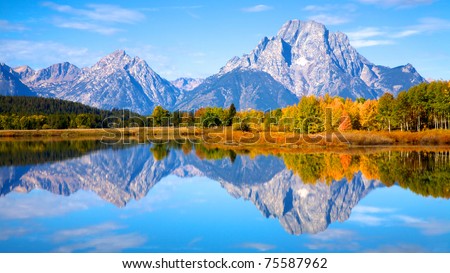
[303,58]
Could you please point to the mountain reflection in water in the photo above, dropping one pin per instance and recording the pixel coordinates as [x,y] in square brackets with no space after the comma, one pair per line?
[306,192]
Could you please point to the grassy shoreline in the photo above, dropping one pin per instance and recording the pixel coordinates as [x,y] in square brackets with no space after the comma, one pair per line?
[225,136]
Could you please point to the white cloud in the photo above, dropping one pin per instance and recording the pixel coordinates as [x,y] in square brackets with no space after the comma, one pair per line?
[257,8]
[190,10]
[329,20]
[369,36]
[188,7]
[397,3]
[405,33]
[316,8]
[98,12]
[399,248]
[8,26]
[375,36]
[7,233]
[335,234]
[425,25]
[365,219]
[331,14]
[432,24]
[330,7]
[365,33]
[369,209]
[44,52]
[427,227]
[88,27]
[43,205]
[97,238]
[192,244]
[334,240]
[257,246]
[86,231]
[368,215]
[95,17]
[332,247]
[108,243]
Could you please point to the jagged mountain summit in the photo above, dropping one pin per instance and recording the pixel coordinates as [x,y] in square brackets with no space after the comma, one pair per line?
[62,72]
[187,84]
[120,81]
[50,81]
[10,84]
[308,59]
[116,81]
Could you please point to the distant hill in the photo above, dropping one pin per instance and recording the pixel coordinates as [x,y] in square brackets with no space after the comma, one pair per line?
[246,89]
[20,112]
[22,105]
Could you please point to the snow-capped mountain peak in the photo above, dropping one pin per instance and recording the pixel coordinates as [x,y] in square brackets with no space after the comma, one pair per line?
[309,60]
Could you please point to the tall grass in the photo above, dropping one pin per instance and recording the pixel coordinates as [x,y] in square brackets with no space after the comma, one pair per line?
[228,136]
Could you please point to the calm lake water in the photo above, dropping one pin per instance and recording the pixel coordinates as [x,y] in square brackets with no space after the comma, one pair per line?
[84,196]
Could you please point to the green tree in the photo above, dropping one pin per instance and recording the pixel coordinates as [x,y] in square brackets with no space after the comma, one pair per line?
[402,108]
[386,110]
[211,118]
[176,118]
[310,116]
[25,123]
[231,114]
[160,116]
[84,121]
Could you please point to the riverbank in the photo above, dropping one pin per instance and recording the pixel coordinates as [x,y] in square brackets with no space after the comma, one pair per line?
[103,133]
[335,139]
[227,137]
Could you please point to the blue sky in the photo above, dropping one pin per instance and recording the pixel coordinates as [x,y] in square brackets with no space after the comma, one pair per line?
[196,38]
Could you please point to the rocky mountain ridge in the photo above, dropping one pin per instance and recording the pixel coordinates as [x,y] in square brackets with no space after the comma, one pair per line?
[10,84]
[304,58]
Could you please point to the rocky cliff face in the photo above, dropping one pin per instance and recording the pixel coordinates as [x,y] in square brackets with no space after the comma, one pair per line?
[309,60]
[10,84]
[120,81]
